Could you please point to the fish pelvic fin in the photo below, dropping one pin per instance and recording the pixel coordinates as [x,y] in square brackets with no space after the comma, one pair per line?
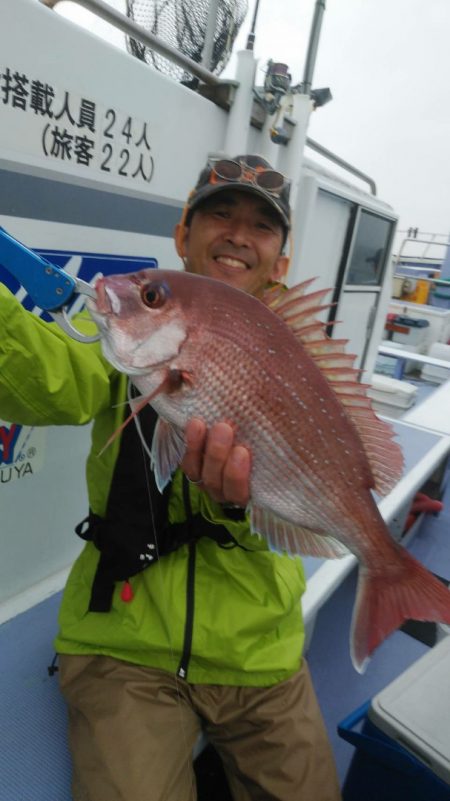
[285,537]
[168,447]
[136,405]
[299,309]
[385,600]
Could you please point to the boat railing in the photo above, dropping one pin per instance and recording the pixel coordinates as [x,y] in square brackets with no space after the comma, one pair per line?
[419,358]
[440,241]
[131,28]
[426,279]
[342,163]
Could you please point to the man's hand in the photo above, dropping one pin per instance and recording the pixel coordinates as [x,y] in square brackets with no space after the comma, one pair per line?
[213,460]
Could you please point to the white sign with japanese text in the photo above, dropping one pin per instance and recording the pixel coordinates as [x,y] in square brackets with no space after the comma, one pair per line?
[61,127]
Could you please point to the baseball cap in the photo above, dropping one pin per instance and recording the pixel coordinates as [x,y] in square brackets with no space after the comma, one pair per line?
[248,173]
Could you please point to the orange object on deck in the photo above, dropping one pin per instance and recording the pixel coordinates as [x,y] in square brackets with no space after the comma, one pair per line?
[420,293]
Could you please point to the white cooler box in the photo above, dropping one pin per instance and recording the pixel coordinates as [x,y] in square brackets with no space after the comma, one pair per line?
[414,710]
[440,374]
[386,391]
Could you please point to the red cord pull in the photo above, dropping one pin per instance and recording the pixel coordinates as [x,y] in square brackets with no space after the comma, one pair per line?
[422,504]
[127,594]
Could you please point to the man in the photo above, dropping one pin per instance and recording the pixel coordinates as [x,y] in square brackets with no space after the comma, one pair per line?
[175,617]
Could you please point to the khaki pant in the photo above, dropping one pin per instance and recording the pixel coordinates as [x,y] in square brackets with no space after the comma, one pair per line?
[132,731]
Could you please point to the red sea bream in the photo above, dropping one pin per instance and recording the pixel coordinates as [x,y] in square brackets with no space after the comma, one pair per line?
[195,347]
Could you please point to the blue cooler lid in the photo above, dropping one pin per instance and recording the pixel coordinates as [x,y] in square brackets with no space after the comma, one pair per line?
[414,710]
[411,322]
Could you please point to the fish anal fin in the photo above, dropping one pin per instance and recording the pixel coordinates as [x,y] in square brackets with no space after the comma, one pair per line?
[168,447]
[386,599]
[384,454]
[283,536]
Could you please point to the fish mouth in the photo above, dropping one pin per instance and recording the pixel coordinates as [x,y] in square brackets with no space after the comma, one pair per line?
[106,301]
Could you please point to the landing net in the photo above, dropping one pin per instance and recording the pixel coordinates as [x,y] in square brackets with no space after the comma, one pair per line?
[183,25]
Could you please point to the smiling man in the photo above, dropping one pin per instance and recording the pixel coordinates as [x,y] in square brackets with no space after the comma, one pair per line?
[176,618]
[236,224]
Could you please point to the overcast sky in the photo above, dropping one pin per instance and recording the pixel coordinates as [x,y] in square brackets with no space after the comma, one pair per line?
[387,63]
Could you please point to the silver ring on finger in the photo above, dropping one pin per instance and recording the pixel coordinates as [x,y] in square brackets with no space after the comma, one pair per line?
[191,480]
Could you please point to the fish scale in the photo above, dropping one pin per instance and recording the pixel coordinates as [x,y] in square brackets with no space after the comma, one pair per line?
[265,379]
[220,403]
[196,347]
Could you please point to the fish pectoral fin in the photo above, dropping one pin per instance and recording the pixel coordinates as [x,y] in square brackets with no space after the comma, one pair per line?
[283,536]
[168,447]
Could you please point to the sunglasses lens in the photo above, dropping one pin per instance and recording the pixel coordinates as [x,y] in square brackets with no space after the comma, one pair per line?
[270,180]
[227,169]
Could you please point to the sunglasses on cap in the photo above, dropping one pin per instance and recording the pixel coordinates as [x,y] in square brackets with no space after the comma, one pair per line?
[227,170]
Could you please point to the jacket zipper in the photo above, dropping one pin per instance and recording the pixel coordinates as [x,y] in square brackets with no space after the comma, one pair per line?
[190,587]
[189,623]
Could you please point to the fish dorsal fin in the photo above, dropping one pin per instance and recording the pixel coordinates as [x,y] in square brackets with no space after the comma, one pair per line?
[300,309]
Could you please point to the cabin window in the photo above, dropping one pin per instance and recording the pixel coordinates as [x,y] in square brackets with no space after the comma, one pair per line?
[370,250]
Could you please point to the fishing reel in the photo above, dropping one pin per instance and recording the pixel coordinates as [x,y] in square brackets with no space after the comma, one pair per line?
[278,80]
[276,85]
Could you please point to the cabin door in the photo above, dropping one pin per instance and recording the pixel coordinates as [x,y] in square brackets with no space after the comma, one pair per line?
[361,282]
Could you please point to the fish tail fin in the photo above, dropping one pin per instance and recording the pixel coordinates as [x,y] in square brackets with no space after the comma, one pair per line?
[406,590]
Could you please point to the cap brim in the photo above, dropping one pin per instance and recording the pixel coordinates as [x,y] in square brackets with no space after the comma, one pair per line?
[250,189]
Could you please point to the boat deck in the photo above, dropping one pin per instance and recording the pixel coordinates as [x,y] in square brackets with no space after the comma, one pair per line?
[34,758]
[339,687]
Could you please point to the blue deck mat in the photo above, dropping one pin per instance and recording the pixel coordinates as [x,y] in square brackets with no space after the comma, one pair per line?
[34,757]
[340,689]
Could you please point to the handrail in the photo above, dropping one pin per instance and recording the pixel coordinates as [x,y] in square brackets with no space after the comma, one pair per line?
[424,266]
[412,269]
[118,20]
[414,239]
[345,164]
[432,234]
[313,46]
[121,21]
[399,353]
[423,261]
[437,281]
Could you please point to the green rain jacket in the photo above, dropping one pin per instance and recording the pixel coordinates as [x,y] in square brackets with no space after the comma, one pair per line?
[247,622]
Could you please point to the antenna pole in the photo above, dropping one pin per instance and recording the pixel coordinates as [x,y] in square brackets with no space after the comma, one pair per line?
[312,46]
[251,36]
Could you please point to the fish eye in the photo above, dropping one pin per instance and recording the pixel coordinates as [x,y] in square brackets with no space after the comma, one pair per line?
[154,295]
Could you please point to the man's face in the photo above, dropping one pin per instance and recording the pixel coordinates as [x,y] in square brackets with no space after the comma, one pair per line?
[234,237]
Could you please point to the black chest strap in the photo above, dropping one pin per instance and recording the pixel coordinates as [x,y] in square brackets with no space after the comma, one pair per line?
[135,532]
